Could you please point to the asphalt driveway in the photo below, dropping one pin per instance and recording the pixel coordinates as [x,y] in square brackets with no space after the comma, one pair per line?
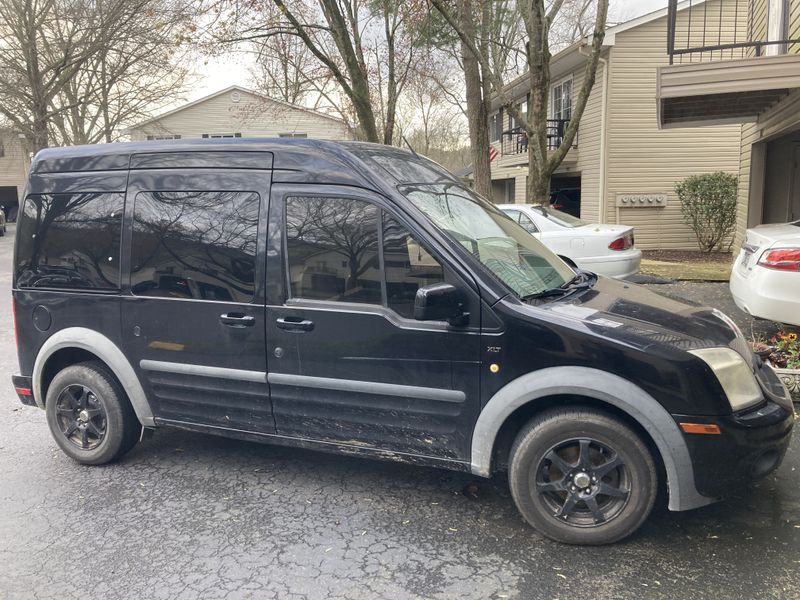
[191,516]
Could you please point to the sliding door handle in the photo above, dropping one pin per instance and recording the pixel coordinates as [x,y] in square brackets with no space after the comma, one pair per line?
[237,320]
[294,324]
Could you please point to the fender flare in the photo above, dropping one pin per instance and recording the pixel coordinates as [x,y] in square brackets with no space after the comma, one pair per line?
[105,350]
[605,387]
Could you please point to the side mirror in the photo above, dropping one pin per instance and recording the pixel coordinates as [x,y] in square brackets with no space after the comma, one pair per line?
[439,302]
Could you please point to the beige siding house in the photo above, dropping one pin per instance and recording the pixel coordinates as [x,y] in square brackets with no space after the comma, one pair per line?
[238,112]
[14,164]
[751,78]
[623,163]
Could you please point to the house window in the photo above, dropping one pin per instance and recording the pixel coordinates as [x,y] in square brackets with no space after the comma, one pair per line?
[163,137]
[496,125]
[524,107]
[221,135]
[777,26]
[293,135]
[561,106]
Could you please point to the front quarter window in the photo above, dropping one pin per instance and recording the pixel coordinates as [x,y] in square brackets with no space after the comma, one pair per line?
[508,251]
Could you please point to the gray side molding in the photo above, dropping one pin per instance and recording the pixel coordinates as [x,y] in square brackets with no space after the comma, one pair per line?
[203,371]
[368,387]
[105,350]
[600,385]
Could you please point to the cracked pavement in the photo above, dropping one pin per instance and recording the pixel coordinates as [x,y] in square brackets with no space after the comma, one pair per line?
[190,516]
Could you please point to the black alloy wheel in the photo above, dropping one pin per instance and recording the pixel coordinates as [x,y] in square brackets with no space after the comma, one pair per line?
[582,476]
[583,481]
[81,416]
[89,414]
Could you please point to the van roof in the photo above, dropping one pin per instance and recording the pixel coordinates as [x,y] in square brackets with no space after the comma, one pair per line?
[338,162]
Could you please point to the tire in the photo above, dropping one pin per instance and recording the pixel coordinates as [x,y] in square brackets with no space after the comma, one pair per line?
[580,476]
[89,414]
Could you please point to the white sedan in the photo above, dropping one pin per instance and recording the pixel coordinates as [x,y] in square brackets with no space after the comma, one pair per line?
[603,249]
[765,281]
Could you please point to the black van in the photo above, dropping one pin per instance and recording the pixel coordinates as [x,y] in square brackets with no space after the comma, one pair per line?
[357,298]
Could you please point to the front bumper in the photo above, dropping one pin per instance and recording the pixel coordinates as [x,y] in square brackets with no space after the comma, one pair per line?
[751,443]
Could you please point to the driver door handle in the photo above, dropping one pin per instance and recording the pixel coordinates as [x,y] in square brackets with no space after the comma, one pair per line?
[294,324]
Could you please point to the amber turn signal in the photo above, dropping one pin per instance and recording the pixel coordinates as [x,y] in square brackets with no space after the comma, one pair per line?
[702,428]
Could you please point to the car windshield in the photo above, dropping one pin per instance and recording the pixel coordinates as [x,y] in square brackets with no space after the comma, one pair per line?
[513,255]
[559,217]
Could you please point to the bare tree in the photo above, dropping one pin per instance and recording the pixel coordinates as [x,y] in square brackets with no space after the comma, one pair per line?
[537,17]
[365,46]
[136,74]
[42,45]
[429,116]
[286,69]
[492,27]
[74,70]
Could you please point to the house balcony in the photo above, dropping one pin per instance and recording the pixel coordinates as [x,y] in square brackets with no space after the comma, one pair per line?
[728,63]
[513,144]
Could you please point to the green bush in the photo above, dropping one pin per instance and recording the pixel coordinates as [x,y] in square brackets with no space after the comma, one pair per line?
[708,205]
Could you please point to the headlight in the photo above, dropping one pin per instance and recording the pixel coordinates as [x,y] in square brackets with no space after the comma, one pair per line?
[734,376]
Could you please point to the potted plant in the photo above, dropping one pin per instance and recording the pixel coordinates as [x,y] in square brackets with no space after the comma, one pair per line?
[782,353]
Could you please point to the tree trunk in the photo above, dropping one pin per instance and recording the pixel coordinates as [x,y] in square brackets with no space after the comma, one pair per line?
[538,188]
[477,114]
[41,137]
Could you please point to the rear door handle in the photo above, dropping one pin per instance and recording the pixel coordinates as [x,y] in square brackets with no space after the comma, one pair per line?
[294,324]
[237,320]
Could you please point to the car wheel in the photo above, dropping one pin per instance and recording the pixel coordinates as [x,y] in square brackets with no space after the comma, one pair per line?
[580,476]
[89,414]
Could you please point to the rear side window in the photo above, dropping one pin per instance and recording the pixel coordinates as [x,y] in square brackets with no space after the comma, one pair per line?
[198,245]
[70,241]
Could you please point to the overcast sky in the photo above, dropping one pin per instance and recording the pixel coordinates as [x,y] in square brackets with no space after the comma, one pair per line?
[223,72]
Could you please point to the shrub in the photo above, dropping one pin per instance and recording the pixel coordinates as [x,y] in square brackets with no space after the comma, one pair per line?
[708,206]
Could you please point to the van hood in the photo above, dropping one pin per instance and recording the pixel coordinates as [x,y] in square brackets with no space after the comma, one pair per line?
[633,315]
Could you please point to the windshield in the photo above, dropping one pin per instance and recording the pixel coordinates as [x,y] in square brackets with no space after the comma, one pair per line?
[559,217]
[513,255]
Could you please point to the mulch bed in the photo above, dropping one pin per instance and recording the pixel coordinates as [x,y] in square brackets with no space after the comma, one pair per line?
[680,256]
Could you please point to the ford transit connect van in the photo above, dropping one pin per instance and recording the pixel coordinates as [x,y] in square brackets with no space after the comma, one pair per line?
[357,298]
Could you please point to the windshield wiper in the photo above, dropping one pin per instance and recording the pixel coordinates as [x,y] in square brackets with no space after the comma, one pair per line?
[581,281]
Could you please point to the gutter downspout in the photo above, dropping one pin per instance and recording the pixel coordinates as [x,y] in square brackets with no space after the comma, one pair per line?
[603,142]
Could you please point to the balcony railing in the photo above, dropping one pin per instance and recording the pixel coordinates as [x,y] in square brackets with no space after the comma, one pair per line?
[727,29]
[515,140]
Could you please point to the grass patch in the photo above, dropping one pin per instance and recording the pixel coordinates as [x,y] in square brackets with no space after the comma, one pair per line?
[695,270]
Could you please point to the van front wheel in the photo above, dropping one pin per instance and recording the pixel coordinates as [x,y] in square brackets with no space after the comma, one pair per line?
[89,415]
[580,476]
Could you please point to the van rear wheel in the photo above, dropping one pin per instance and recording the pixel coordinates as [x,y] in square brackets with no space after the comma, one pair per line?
[580,476]
[89,414]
